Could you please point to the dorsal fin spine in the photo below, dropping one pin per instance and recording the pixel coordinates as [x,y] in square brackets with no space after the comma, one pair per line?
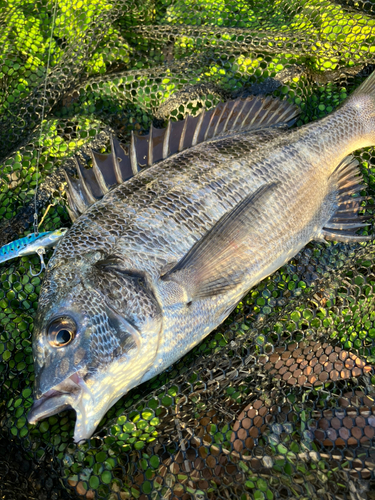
[270,112]
[252,104]
[256,115]
[107,171]
[354,209]
[347,165]
[72,213]
[166,138]
[347,183]
[150,148]
[133,154]
[71,207]
[77,199]
[198,128]
[182,138]
[238,115]
[209,126]
[235,104]
[98,175]
[116,164]
[266,114]
[87,191]
[219,119]
[353,218]
[287,111]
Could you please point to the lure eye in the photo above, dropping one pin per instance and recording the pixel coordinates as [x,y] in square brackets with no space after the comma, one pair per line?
[61,332]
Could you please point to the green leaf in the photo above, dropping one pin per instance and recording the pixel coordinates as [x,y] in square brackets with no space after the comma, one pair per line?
[166,401]
[94,482]
[106,477]
[154,461]
[258,495]
[262,485]
[147,487]
[282,449]
[288,469]
[128,427]
[101,456]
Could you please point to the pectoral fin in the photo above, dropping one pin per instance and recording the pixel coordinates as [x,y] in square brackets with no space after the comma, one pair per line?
[215,264]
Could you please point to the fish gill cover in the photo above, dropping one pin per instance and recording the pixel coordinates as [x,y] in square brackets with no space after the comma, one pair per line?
[278,402]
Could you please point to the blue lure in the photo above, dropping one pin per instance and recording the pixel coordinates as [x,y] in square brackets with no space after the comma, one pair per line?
[32,244]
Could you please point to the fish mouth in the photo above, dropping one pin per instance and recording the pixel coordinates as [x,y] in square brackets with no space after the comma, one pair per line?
[70,394]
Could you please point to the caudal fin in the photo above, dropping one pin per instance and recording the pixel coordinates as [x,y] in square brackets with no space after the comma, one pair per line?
[366,88]
[362,101]
[359,113]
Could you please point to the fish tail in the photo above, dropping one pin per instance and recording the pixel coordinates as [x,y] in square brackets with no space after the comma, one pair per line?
[367,88]
[361,105]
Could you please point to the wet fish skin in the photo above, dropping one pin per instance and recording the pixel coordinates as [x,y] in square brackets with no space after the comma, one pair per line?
[116,272]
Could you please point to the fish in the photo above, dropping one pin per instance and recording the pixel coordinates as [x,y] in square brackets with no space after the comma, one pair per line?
[30,244]
[172,230]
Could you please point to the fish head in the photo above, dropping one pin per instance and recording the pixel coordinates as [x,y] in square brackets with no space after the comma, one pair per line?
[96,334]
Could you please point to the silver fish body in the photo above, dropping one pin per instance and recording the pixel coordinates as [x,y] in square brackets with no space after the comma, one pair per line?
[153,267]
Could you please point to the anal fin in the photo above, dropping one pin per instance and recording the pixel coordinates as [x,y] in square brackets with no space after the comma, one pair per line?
[347,183]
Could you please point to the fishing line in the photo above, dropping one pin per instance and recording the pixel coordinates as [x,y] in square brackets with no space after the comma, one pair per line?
[36,225]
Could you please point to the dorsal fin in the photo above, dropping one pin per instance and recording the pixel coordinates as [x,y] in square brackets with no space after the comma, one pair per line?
[229,118]
[344,223]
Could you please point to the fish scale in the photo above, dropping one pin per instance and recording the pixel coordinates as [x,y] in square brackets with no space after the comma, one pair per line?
[151,268]
[199,180]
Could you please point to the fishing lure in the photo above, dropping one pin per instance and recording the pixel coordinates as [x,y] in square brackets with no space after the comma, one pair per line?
[32,244]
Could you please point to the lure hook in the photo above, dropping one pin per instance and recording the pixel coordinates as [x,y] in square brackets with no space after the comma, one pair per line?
[40,252]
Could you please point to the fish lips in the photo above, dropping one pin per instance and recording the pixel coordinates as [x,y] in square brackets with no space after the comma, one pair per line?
[49,405]
[67,395]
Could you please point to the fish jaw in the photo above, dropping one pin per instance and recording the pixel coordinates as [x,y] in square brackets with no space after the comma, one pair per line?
[72,394]
[102,390]
[92,396]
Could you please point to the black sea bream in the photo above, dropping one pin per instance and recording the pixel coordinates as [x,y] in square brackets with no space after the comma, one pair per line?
[153,266]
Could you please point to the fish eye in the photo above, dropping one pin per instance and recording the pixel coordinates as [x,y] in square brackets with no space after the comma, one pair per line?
[61,332]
